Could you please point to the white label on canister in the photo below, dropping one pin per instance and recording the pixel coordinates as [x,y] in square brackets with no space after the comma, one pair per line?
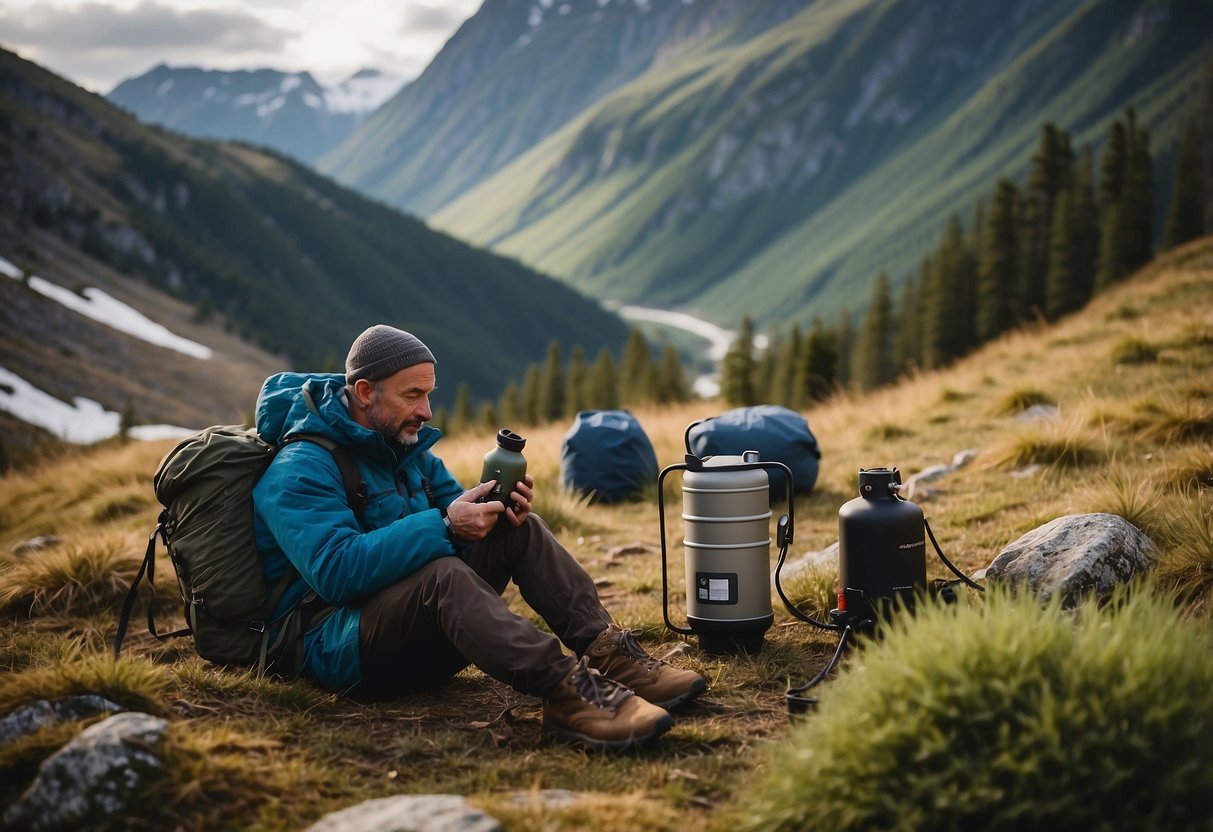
[716,587]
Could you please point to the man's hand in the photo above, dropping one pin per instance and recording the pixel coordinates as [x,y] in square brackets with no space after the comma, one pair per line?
[471,520]
[522,496]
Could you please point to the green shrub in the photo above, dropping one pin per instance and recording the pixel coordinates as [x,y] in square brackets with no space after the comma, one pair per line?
[1003,715]
[1132,350]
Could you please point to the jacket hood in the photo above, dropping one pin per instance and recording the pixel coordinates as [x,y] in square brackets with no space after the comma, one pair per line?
[315,403]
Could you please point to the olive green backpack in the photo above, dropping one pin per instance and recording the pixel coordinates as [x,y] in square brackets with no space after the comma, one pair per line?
[205,484]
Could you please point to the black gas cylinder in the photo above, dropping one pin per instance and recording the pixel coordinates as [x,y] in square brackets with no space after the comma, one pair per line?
[881,548]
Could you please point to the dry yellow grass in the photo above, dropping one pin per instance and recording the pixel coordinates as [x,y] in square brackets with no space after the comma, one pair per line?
[272,755]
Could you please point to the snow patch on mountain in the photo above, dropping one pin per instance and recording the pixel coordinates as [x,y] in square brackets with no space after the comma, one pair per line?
[101,307]
[83,420]
[362,92]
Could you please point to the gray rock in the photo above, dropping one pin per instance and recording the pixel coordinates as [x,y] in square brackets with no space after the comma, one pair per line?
[43,714]
[1026,471]
[409,813]
[93,777]
[809,560]
[912,487]
[1076,556]
[36,544]
[963,458]
[1038,413]
[929,473]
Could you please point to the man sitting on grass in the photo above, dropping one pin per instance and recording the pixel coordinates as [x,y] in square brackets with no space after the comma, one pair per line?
[416,580]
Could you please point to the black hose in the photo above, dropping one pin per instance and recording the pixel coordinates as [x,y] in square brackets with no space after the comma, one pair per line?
[799,703]
[783,553]
[969,581]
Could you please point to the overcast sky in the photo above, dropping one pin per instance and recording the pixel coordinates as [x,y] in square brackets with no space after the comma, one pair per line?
[98,43]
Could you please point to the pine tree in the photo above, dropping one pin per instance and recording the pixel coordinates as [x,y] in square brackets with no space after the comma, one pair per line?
[844,346]
[486,417]
[1204,129]
[602,387]
[1112,168]
[509,406]
[819,367]
[948,332]
[1061,292]
[998,264]
[1186,213]
[637,376]
[737,369]
[530,396]
[127,419]
[1111,249]
[1047,178]
[671,381]
[1127,202]
[874,351]
[551,385]
[575,383]
[460,417]
[1139,195]
[1084,214]
[788,386]
[764,367]
[907,353]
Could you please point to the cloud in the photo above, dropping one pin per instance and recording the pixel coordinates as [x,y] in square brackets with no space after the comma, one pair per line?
[96,45]
[148,25]
[432,18]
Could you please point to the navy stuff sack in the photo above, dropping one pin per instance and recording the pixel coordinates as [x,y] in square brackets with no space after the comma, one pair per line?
[777,433]
[607,455]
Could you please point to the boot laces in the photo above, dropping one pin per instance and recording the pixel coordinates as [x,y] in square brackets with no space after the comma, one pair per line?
[629,647]
[597,689]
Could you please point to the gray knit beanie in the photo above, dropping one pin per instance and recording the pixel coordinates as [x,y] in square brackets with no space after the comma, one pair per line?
[381,351]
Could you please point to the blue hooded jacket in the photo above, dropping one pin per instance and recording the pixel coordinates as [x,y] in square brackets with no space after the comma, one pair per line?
[301,514]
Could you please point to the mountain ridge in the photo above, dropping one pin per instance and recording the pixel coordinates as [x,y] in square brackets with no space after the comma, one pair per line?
[289,112]
[279,263]
[742,174]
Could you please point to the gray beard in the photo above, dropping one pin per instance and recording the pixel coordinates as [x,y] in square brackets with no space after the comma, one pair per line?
[394,433]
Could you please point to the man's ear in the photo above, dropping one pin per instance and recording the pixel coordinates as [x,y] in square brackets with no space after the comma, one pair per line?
[364,391]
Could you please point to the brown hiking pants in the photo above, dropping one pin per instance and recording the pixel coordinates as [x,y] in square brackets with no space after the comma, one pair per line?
[417,633]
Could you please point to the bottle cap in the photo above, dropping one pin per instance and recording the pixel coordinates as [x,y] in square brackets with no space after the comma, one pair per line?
[509,440]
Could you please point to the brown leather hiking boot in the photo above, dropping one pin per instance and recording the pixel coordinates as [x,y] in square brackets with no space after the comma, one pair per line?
[617,655]
[588,708]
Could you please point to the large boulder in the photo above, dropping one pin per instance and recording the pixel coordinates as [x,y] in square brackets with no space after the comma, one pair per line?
[93,778]
[1075,556]
[409,813]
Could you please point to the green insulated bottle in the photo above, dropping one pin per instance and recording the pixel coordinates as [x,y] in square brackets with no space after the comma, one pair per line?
[506,464]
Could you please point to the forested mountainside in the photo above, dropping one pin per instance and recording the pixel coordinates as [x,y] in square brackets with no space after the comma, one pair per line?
[264,251]
[762,158]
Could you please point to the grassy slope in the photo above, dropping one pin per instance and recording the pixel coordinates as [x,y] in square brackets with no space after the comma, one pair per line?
[1133,378]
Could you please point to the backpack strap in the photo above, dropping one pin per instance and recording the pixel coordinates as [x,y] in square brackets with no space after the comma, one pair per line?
[311,610]
[351,477]
[148,567]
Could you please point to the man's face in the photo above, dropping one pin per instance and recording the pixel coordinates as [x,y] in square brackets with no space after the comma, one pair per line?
[400,403]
